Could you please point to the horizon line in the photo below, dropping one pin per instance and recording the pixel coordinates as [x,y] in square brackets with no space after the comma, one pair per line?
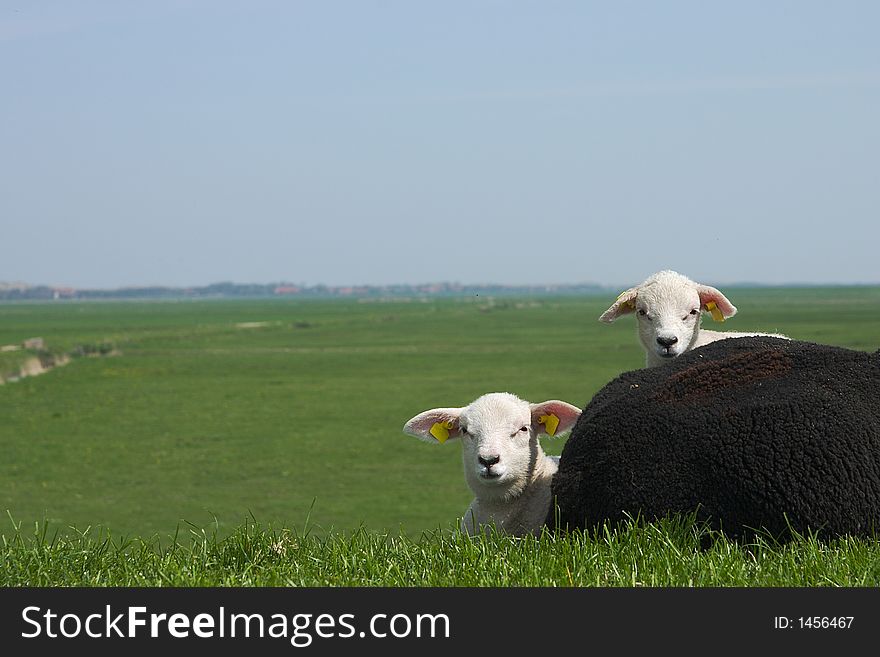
[8,285]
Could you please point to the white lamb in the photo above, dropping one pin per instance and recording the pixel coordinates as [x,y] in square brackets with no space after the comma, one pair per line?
[504,464]
[668,306]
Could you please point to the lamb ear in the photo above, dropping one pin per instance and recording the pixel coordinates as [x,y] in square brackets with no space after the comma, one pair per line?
[722,308]
[435,426]
[554,417]
[625,304]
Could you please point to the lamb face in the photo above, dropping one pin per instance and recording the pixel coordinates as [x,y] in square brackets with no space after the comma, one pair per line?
[668,315]
[504,464]
[499,445]
[668,308]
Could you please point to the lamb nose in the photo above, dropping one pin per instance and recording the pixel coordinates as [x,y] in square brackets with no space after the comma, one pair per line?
[667,342]
[489,461]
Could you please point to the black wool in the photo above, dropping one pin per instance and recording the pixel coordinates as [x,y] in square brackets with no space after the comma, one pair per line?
[750,433]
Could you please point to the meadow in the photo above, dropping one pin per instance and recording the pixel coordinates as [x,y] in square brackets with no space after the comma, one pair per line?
[239,423]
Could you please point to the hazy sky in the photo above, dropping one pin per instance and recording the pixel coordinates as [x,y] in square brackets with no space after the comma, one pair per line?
[183,143]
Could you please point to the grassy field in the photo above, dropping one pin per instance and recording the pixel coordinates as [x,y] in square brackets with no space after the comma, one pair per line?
[215,412]
[674,552]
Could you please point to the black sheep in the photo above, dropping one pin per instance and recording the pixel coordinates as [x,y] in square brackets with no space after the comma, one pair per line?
[751,433]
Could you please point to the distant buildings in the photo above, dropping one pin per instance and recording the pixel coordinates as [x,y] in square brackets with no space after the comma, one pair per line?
[23,291]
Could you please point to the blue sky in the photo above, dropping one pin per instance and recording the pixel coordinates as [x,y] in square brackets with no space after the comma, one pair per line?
[183,143]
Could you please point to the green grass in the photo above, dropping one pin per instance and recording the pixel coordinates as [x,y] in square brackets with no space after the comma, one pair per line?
[673,552]
[201,421]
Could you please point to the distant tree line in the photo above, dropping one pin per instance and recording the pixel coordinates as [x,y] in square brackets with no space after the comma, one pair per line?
[234,290]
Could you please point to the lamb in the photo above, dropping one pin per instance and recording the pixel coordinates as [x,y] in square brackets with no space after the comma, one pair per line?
[751,434]
[668,306]
[504,464]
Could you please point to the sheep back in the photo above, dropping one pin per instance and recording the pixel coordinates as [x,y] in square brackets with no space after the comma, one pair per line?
[749,433]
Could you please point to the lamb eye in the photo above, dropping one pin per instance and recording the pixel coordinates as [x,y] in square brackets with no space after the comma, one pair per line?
[694,311]
[642,312]
[523,428]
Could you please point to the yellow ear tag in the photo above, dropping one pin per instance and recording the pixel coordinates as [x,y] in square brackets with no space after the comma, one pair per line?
[717,315]
[440,431]
[628,304]
[550,422]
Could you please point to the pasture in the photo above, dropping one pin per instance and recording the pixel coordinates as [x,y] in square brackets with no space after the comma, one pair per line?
[214,413]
